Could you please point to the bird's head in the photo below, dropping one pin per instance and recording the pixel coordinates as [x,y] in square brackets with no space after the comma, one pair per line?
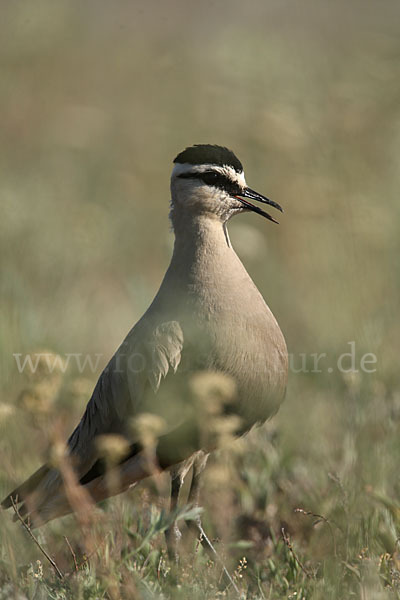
[209,180]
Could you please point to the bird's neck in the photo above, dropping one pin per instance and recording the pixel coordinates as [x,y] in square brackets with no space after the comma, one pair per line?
[199,237]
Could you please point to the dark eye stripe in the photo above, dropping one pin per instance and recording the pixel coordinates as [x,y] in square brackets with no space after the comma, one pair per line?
[216,180]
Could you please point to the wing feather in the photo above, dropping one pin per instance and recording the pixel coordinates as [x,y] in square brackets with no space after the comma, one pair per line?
[117,396]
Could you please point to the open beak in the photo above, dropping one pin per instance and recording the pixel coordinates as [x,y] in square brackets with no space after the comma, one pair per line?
[249,193]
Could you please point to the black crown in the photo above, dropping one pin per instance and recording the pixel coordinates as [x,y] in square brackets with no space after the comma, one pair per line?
[201,154]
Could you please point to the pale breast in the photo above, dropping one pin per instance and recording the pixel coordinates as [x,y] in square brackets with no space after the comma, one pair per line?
[235,332]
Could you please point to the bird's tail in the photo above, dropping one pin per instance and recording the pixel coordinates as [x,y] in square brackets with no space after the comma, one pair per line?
[53,492]
[26,488]
[27,498]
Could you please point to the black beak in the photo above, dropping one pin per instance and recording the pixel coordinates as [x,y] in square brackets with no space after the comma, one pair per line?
[249,193]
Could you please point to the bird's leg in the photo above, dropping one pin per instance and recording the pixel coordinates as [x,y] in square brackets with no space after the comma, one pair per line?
[173,534]
[199,464]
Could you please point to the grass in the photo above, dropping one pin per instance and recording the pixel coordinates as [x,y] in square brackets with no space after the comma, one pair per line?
[95,102]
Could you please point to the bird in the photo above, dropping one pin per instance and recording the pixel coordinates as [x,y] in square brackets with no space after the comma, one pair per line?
[208,348]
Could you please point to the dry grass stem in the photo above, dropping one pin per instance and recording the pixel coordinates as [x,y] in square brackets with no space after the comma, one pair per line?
[38,544]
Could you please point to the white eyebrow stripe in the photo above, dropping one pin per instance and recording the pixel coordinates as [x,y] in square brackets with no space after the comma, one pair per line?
[226,170]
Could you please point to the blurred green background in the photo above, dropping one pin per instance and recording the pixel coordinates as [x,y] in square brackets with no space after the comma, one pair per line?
[96,99]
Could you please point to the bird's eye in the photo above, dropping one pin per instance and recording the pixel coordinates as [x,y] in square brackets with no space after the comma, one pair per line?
[210,178]
[217,180]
